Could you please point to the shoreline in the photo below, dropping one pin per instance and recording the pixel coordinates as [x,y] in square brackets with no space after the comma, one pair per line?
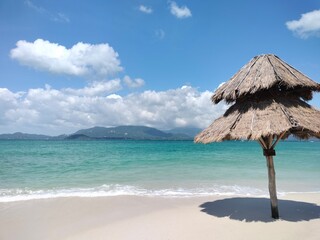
[141,217]
[106,191]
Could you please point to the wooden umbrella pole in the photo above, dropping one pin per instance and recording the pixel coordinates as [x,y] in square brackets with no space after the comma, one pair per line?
[272,187]
[269,152]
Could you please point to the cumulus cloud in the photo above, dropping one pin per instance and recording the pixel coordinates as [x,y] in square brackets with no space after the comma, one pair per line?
[8,101]
[308,25]
[52,111]
[145,9]
[96,88]
[179,12]
[82,59]
[133,83]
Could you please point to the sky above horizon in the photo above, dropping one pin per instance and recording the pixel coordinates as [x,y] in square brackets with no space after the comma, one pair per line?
[67,65]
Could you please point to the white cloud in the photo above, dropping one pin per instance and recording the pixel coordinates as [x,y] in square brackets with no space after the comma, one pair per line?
[114,96]
[179,12]
[57,17]
[133,83]
[308,25]
[96,88]
[52,111]
[60,17]
[35,7]
[8,101]
[145,9]
[82,59]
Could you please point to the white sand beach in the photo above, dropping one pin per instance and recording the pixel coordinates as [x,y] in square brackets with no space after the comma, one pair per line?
[132,217]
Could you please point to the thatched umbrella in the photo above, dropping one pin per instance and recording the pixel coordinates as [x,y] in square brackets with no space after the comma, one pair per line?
[269,104]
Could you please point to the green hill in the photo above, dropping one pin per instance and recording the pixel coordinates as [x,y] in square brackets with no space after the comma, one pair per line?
[129,132]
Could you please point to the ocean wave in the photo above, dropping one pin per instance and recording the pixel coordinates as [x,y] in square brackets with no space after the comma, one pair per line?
[12,195]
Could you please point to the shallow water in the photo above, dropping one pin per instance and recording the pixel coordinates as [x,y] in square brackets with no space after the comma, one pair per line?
[43,169]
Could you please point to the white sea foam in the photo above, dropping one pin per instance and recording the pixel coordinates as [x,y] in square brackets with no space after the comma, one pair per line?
[11,195]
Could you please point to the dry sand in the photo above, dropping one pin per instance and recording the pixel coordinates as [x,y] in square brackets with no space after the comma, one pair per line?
[128,217]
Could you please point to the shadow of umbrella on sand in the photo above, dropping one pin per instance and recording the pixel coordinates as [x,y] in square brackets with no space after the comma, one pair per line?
[255,209]
[269,99]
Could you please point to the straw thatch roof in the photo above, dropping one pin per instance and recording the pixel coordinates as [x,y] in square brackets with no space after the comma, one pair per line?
[265,72]
[268,94]
[255,119]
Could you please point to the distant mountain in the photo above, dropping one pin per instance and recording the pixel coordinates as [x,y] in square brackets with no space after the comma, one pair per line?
[78,137]
[128,132]
[192,132]
[27,136]
[24,136]
[121,132]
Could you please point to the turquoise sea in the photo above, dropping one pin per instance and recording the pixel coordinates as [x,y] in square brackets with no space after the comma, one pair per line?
[48,169]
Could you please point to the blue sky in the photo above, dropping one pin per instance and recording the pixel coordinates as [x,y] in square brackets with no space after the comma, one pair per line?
[67,65]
